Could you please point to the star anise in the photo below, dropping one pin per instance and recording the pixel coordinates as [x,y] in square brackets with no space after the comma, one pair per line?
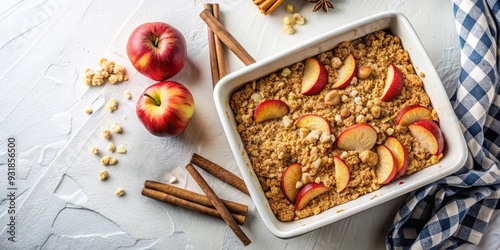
[325,4]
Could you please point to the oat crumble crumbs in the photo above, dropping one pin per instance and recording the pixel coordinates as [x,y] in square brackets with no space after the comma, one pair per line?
[113,161]
[89,111]
[103,175]
[116,127]
[120,192]
[105,160]
[111,147]
[106,134]
[128,95]
[95,150]
[275,144]
[107,70]
[112,105]
[121,150]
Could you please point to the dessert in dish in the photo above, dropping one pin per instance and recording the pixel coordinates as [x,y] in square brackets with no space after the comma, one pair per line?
[341,124]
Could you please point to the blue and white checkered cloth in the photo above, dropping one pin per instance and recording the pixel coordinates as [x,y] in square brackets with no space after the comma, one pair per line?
[456,209]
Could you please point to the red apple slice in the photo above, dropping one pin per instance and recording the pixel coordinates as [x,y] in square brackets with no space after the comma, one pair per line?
[289,179]
[429,135]
[270,109]
[413,113]
[345,73]
[400,153]
[393,84]
[359,137]
[386,165]
[342,174]
[307,193]
[313,122]
[315,77]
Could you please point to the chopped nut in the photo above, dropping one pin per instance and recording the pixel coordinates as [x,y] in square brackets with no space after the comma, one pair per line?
[89,111]
[313,136]
[288,29]
[106,134]
[113,161]
[172,180]
[360,119]
[422,74]
[299,184]
[338,118]
[306,178]
[286,72]
[288,20]
[327,182]
[112,105]
[325,137]
[344,113]
[357,100]
[287,122]
[336,62]
[303,132]
[111,147]
[127,95]
[120,192]
[121,150]
[345,99]
[289,8]
[256,97]
[105,160]
[332,98]
[369,157]
[95,150]
[375,110]
[317,180]
[389,131]
[103,175]
[354,81]
[364,72]
[299,19]
[116,127]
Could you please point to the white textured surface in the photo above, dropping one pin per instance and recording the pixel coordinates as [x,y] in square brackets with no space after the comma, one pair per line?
[61,204]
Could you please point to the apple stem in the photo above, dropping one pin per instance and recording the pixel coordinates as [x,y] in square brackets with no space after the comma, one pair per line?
[156,42]
[156,102]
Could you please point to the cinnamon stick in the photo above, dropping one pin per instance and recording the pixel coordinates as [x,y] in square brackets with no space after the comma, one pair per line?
[220,172]
[226,37]
[219,205]
[233,207]
[221,62]
[159,196]
[214,67]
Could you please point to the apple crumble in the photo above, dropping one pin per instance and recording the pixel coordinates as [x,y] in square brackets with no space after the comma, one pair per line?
[337,132]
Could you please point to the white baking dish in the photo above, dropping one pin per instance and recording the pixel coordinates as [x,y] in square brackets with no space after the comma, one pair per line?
[455,149]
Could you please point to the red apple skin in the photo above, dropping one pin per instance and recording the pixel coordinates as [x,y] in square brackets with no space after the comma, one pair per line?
[393,85]
[400,153]
[289,178]
[413,113]
[346,73]
[307,193]
[169,110]
[315,77]
[434,129]
[157,50]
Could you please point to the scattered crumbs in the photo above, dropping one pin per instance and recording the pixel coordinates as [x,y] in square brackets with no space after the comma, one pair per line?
[113,161]
[373,197]
[121,150]
[116,127]
[401,182]
[109,70]
[422,74]
[95,150]
[127,95]
[103,175]
[106,160]
[106,134]
[112,105]
[111,147]
[340,210]
[120,192]
[89,111]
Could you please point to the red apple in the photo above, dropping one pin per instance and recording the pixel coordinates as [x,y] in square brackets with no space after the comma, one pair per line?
[307,193]
[270,109]
[157,50]
[400,153]
[342,174]
[315,77]
[165,108]
[313,122]
[413,113]
[359,137]
[289,179]
[345,73]
[393,84]
[386,165]
[429,135]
